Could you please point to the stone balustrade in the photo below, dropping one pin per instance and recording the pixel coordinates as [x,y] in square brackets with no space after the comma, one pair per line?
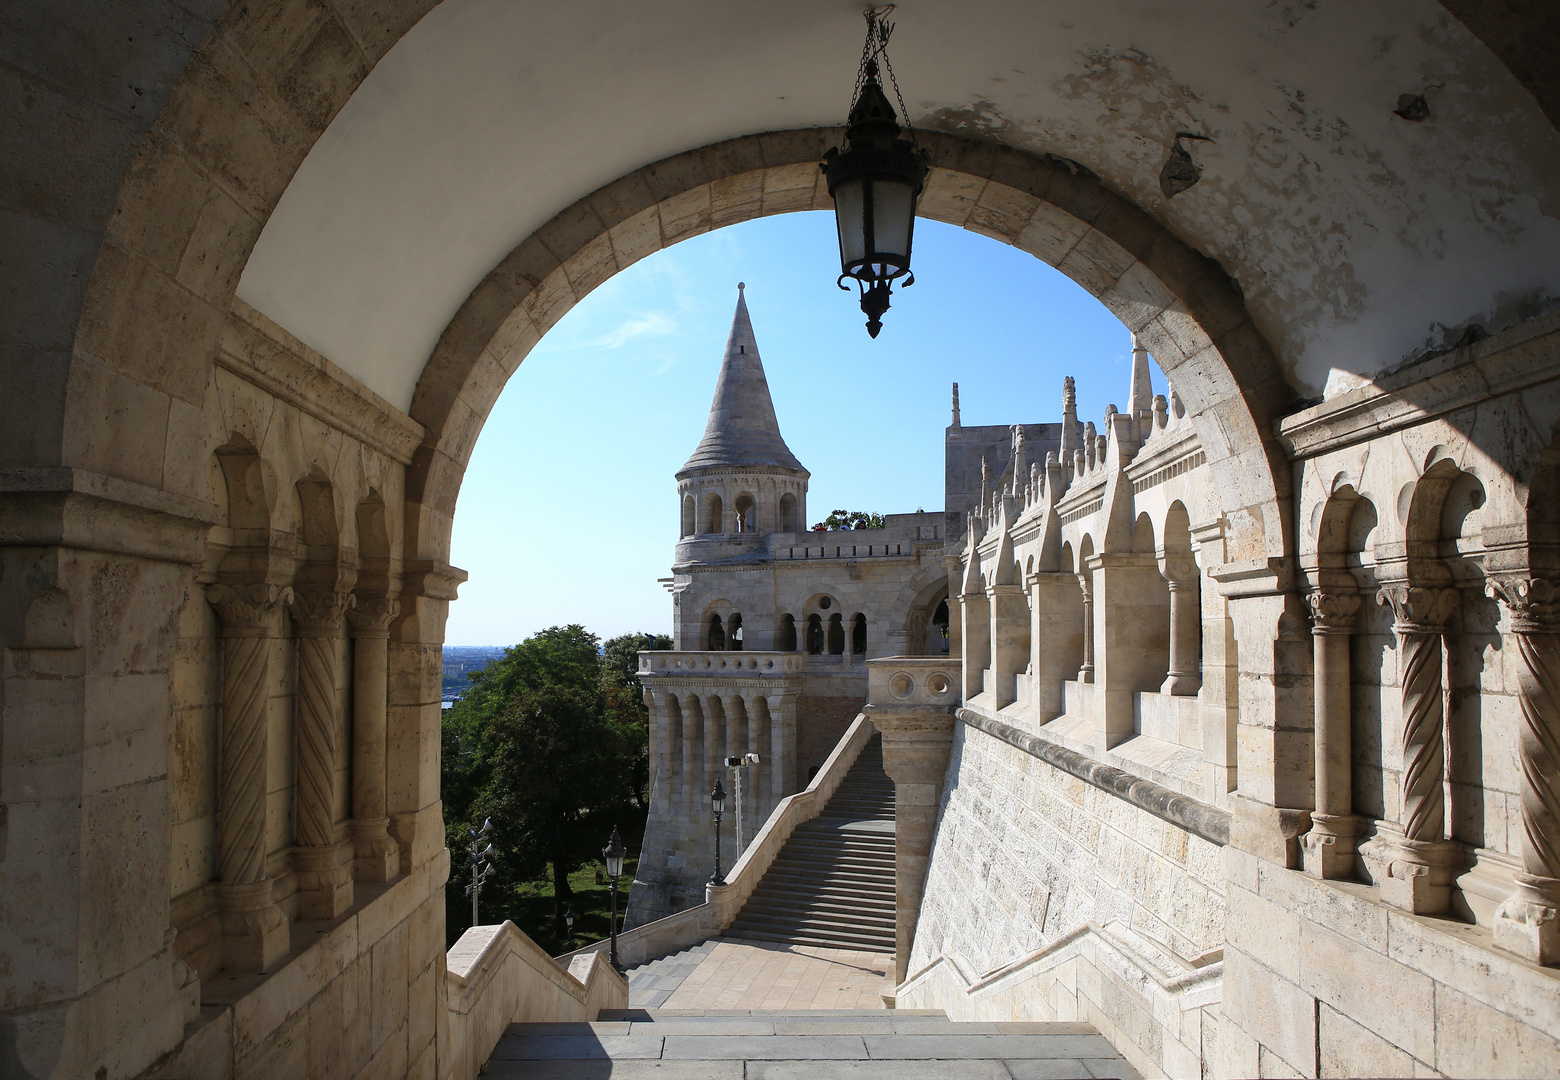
[720,662]
[913,680]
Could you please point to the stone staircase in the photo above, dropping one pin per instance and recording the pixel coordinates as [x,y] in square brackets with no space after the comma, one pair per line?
[629,1044]
[833,882]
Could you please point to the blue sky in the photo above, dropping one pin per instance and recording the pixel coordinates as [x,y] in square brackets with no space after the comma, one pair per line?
[569,511]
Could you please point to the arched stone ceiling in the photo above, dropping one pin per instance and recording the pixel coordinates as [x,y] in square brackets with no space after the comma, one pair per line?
[1358,238]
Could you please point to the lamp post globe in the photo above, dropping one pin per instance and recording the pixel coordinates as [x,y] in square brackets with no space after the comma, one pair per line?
[875,179]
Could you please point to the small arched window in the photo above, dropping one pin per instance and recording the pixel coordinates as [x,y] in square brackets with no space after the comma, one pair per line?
[735,634]
[788,515]
[815,633]
[787,633]
[716,638]
[747,514]
[714,515]
[858,634]
[836,634]
[689,509]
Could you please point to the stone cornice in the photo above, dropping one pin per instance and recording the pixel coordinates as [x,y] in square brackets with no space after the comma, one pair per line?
[1512,360]
[1198,818]
[263,354]
[89,511]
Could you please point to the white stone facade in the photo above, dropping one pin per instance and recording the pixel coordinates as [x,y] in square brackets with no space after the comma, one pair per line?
[773,624]
[1326,785]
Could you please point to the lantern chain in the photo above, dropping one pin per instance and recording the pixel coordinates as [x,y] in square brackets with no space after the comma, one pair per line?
[876,45]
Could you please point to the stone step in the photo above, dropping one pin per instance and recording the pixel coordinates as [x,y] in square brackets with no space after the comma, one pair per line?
[803,933]
[841,882]
[836,912]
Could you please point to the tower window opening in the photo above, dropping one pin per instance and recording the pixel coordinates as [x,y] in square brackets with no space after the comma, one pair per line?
[735,634]
[815,633]
[716,638]
[789,519]
[938,637]
[714,515]
[747,514]
[836,634]
[858,634]
[689,509]
[787,635]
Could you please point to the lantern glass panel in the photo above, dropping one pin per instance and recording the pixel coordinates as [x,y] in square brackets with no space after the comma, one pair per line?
[614,865]
[850,217]
[893,211]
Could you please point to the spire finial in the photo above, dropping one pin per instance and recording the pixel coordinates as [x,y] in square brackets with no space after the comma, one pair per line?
[955,404]
[742,285]
[1140,393]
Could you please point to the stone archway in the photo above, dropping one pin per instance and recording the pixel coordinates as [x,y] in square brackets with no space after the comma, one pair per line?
[1182,305]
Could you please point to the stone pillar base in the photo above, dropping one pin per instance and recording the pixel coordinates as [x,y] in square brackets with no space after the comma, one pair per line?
[324,880]
[1419,877]
[376,857]
[1327,851]
[255,933]
[1181,684]
[1528,922]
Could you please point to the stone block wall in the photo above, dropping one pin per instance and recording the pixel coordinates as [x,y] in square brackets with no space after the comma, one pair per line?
[821,720]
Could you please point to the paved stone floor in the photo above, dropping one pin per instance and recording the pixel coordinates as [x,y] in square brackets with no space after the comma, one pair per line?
[726,974]
[636,1044]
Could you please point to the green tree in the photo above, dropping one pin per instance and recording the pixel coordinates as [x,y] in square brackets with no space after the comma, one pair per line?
[560,779]
[623,698]
[849,519]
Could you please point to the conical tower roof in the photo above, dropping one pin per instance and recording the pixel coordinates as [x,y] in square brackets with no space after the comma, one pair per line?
[742,430]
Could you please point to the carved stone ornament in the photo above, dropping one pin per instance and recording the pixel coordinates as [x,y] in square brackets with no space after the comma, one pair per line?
[373,613]
[320,610]
[1534,603]
[1417,610]
[247,608]
[1333,612]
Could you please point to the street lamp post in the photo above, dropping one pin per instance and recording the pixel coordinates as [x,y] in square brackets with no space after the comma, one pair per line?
[568,922]
[481,864]
[736,765]
[613,854]
[718,805]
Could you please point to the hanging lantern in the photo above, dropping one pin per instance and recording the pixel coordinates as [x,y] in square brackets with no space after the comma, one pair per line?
[875,180]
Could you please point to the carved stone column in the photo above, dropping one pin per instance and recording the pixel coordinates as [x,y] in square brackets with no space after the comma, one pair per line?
[783,732]
[916,743]
[1183,678]
[1086,583]
[1528,922]
[1009,641]
[377,856]
[1419,876]
[254,930]
[324,873]
[1328,848]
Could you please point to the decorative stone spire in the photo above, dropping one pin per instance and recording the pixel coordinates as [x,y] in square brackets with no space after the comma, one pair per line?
[1141,396]
[742,429]
[1069,417]
[955,405]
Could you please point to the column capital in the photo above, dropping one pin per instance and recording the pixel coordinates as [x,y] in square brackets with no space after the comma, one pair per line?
[1333,612]
[372,613]
[1418,610]
[320,610]
[1533,603]
[247,610]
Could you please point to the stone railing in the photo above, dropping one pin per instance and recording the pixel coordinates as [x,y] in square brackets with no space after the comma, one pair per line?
[721,905]
[496,976]
[736,662]
[1089,973]
[913,680]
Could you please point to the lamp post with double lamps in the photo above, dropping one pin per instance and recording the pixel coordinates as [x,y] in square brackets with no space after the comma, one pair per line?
[481,864]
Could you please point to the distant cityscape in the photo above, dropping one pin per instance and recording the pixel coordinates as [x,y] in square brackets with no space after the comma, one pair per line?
[459,662]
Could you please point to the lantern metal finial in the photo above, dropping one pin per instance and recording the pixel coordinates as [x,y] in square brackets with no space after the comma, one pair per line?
[875,179]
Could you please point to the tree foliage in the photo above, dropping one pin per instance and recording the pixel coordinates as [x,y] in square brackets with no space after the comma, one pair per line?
[849,519]
[551,742]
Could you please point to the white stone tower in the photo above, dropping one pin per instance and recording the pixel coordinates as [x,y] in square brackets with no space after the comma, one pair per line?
[741,484]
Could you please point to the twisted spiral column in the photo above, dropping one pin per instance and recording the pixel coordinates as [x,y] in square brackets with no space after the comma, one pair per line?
[1419,877]
[324,881]
[1329,845]
[1527,922]
[377,856]
[254,930]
